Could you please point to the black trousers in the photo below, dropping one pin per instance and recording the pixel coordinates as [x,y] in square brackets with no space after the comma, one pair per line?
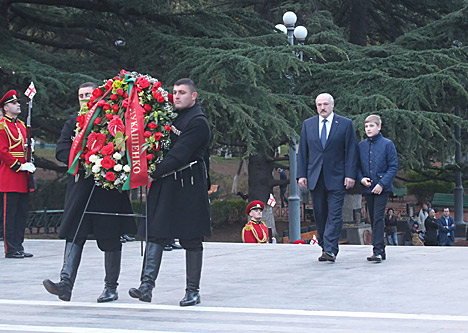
[328,212]
[15,207]
[376,205]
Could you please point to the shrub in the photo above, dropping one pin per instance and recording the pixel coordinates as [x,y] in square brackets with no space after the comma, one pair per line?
[227,212]
[424,191]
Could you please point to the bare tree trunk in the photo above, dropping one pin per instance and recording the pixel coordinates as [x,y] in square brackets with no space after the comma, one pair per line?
[358,26]
[235,182]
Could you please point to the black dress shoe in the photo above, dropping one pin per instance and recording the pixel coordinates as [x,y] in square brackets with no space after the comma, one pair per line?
[128,238]
[27,255]
[176,246]
[168,248]
[122,240]
[329,256]
[322,258]
[375,258]
[15,255]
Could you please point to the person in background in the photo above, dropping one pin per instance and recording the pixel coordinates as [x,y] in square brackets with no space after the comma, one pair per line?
[284,200]
[391,227]
[446,229]
[255,231]
[432,229]
[423,213]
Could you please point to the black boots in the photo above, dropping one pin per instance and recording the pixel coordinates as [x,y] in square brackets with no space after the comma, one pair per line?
[149,272]
[112,267]
[193,266]
[71,261]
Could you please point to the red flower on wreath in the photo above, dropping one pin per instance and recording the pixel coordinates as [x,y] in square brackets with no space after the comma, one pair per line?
[115,107]
[158,136]
[107,162]
[125,103]
[97,121]
[152,126]
[167,128]
[116,125]
[147,134]
[170,97]
[156,85]
[144,83]
[80,120]
[109,116]
[149,157]
[108,149]
[97,92]
[147,107]
[114,97]
[87,155]
[96,141]
[119,92]
[110,176]
[101,103]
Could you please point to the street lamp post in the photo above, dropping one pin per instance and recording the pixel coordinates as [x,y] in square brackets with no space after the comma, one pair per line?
[300,33]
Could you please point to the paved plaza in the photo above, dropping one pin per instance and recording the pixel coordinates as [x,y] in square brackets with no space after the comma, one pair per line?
[246,288]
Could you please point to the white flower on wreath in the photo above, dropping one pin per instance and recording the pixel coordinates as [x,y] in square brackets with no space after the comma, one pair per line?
[96,168]
[118,167]
[117,156]
[126,168]
[93,158]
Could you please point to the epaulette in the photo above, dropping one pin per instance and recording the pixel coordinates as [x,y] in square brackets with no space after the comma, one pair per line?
[22,122]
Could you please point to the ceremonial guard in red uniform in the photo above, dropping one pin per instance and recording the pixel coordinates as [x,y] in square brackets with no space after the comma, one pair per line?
[255,231]
[13,176]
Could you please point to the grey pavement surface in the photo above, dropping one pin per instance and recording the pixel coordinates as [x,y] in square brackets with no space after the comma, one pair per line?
[246,288]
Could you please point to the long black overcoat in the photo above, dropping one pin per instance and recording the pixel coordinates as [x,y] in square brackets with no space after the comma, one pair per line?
[107,201]
[178,205]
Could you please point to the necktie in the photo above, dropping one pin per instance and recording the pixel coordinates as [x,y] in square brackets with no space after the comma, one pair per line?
[323,136]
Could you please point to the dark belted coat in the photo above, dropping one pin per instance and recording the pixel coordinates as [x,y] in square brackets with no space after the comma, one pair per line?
[107,201]
[178,205]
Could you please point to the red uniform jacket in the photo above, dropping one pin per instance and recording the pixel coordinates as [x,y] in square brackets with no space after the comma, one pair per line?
[12,155]
[255,232]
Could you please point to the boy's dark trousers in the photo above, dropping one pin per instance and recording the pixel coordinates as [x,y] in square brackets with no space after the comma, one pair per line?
[376,204]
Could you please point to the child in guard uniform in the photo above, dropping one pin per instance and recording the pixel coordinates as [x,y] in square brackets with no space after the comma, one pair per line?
[255,231]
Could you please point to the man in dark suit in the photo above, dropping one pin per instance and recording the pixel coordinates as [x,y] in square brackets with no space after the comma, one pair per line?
[327,166]
[446,229]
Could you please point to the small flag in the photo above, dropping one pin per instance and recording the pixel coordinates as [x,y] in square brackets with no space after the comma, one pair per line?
[271,201]
[31,91]
[314,240]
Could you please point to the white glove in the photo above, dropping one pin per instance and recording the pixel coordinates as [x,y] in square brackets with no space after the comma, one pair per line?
[33,144]
[28,166]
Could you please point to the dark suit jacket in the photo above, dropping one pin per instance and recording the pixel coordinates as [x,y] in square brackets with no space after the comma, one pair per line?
[444,231]
[337,160]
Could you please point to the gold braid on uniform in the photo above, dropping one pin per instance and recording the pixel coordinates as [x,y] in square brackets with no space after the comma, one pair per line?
[17,141]
[254,232]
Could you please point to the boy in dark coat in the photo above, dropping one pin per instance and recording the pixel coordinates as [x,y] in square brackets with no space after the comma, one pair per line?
[377,168]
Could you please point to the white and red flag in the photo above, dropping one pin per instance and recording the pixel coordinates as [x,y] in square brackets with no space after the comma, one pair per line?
[31,91]
[271,201]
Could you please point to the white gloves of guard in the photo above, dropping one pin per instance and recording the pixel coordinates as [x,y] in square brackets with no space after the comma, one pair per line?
[28,166]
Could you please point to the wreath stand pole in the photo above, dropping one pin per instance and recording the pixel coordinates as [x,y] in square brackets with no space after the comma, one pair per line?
[111,214]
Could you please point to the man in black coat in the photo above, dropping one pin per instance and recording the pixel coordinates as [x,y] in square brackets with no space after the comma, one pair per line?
[178,205]
[106,229]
